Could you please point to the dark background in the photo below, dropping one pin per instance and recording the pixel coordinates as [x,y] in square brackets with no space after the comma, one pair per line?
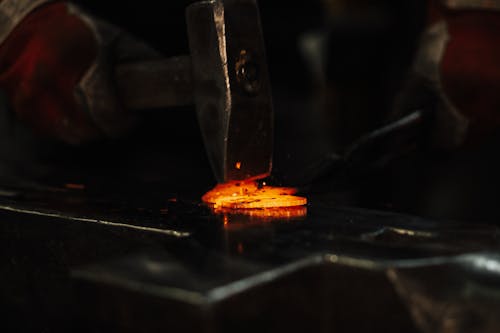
[367,51]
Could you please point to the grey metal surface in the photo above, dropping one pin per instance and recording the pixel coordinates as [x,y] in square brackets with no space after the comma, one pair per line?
[155,84]
[107,265]
[225,76]
[232,90]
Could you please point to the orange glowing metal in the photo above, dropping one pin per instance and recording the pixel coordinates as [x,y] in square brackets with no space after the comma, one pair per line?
[249,195]
[268,214]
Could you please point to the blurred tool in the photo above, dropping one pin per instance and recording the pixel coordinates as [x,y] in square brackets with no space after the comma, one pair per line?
[104,75]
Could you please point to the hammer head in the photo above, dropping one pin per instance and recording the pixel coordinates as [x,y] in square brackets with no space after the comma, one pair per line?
[231,87]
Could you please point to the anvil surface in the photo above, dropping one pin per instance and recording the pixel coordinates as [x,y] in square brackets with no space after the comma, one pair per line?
[72,260]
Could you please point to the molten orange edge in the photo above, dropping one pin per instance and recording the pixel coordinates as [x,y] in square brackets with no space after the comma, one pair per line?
[249,195]
[264,214]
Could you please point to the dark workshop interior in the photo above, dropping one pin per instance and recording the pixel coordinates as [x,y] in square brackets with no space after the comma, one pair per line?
[116,117]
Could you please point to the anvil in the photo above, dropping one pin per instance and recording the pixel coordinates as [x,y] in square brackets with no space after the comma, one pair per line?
[179,267]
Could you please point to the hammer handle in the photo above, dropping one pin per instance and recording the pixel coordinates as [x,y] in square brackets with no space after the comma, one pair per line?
[155,84]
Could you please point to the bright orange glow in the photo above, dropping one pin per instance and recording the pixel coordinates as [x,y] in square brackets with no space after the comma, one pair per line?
[249,195]
[238,165]
[231,215]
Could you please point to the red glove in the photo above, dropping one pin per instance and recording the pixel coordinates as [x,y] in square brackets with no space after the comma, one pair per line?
[42,61]
[460,55]
[470,67]
[56,69]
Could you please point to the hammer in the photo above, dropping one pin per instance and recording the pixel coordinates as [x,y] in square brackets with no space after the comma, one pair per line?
[225,77]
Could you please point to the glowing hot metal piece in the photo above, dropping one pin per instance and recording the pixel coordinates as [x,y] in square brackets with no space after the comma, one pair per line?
[249,195]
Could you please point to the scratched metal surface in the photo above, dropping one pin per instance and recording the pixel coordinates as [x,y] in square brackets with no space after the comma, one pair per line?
[74,259]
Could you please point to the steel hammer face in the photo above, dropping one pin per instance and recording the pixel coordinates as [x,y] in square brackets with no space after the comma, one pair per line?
[231,87]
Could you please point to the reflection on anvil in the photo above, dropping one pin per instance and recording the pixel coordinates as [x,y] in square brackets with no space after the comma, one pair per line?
[240,217]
